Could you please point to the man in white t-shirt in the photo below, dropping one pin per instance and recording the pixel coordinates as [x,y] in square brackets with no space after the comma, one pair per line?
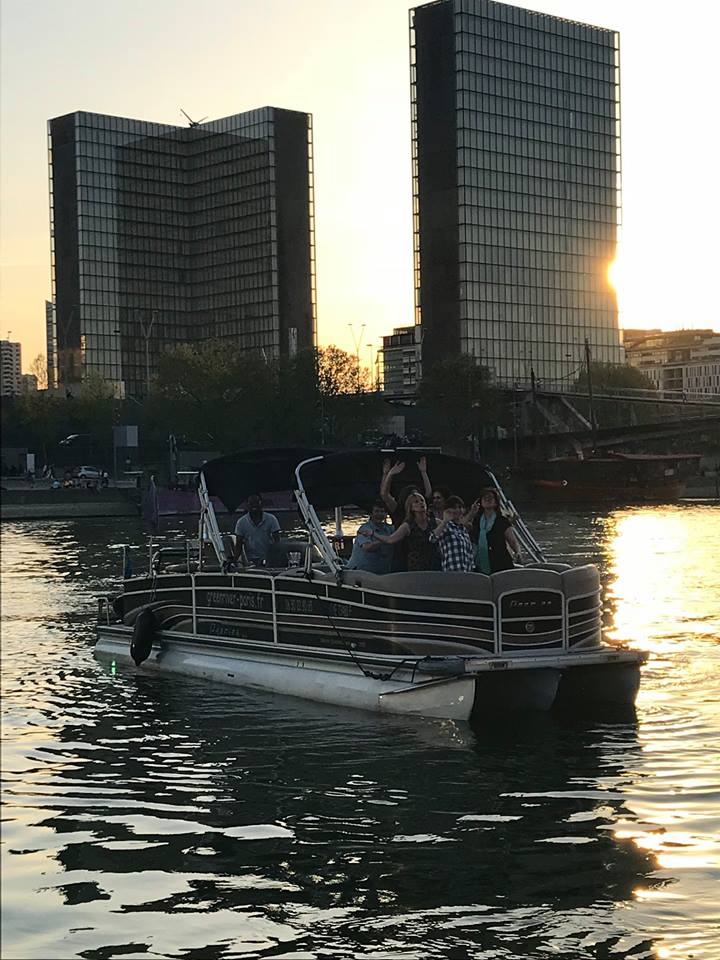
[256,530]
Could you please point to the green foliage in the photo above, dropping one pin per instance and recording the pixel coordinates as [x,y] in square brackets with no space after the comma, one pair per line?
[614,376]
[218,396]
[458,393]
[339,372]
[233,399]
[39,368]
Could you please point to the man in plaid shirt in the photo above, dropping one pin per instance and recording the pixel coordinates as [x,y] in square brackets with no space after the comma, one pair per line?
[456,550]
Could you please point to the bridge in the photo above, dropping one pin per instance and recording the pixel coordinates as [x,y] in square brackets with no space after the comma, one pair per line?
[552,419]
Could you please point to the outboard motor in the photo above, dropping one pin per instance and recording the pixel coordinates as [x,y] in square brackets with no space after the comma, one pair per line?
[143,635]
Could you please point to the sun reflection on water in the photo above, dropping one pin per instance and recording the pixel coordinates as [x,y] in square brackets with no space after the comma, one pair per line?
[656,562]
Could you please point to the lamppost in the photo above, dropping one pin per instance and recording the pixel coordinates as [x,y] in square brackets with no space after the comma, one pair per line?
[358,343]
[147,333]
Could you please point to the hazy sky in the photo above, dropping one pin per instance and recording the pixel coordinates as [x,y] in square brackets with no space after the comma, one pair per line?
[347,64]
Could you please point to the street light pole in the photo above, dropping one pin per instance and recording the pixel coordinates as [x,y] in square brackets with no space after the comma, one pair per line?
[593,421]
[147,333]
[358,343]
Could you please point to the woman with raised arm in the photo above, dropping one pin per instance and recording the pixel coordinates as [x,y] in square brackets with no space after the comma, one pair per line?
[396,507]
[414,532]
[492,534]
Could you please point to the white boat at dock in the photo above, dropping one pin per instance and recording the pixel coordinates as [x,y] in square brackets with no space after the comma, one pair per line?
[434,644]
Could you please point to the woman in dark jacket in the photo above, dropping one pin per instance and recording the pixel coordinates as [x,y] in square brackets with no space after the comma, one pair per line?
[492,534]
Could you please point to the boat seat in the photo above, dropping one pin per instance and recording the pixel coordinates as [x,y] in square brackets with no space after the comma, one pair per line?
[547,565]
[278,553]
[425,583]
[580,581]
[571,581]
[525,578]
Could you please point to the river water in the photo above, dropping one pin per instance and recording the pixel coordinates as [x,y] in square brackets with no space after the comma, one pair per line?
[152,816]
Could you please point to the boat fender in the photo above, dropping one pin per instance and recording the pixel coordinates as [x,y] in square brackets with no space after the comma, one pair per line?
[118,605]
[442,666]
[143,635]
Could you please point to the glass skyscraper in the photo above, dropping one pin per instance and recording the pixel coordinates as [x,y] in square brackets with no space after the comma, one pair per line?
[164,235]
[516,182]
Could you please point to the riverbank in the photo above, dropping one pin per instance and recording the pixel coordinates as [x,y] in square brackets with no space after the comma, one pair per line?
[47,504]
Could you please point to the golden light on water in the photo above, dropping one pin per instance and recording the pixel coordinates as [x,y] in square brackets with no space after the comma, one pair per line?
[640,561]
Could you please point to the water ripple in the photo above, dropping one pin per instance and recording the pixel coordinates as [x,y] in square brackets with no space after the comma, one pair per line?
[231,824]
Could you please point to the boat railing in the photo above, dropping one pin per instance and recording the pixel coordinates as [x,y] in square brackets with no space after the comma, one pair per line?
[104,607]
[208,526]
[312,522]
[526,539]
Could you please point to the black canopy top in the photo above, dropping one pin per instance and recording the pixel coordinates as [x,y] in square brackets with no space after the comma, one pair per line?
[233,478]
[337,479]
[354,477]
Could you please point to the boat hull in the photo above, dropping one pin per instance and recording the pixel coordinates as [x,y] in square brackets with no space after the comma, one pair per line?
[450,687]
[609,683]
[335,680]
[517,690]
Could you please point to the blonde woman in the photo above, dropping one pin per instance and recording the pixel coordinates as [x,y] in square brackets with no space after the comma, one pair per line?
[415,530]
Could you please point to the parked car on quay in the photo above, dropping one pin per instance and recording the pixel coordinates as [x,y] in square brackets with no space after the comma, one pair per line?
[88,473]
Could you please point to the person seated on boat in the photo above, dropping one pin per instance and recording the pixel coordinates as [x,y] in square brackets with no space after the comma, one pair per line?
[255,531]
[453,539]
[396,506]
[414,532]
[492,534]
[369,553]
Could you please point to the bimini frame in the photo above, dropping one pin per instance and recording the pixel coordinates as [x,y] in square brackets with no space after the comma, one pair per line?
[320,539]
[209,529]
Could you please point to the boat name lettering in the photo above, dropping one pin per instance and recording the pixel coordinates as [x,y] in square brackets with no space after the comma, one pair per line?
[297,604]
[224,630]
[242,601]
[340,610]
[530,604]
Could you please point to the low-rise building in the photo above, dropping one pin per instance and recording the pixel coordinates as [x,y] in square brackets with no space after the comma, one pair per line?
[401,360]
[684,363]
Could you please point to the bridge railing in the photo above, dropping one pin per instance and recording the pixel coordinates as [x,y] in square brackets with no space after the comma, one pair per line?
[611,393]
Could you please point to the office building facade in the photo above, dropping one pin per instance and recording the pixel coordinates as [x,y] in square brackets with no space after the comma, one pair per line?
[164,235]
[682,364]
[10,368]
[401,362]
[516,182]
[50,344]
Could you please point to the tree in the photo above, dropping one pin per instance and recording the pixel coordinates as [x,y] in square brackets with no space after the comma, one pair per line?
[347,405]
[231,399]
[339,372]
[39,368]
[459,395]
[614,376]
